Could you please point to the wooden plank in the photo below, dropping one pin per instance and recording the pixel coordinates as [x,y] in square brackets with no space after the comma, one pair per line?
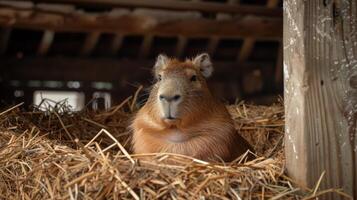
[90,43]
[246,50]
[116,44]
[99,69]
[146,46]
[212,45]
[180,46]
[214,41]
[320,56]
[4,39]
[137,24]
[249,43]
[182,42]
[177,5]
[46,42]
[273,3]
[222,16]
[279,67]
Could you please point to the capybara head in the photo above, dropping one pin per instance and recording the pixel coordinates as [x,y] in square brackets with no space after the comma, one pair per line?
[180,86]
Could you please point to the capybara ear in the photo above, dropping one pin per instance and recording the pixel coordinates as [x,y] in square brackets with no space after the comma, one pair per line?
[161,62]
[203,62]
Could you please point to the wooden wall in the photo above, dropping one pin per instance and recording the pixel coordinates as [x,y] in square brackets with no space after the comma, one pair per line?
[320,72]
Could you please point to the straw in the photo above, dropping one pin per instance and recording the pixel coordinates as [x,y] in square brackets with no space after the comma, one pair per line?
[53,153]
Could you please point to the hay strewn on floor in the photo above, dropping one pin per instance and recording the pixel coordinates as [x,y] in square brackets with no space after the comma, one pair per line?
[65,155]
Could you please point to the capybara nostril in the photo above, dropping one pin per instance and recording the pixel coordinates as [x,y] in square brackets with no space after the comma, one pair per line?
[176,97]
[169,98]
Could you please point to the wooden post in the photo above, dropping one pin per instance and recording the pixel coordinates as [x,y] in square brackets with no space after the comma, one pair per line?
[116,44]
[46,42]
[320,75]
[4,39]
[90,43]
[248,43]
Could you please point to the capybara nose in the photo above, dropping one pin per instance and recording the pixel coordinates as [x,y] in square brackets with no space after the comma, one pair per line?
[169,98]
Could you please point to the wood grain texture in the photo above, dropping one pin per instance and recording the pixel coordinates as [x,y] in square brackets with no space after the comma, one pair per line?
[102,69]
[116,43]
[46,42]
[146,46]
[89,43]
[126,23]
[320,59]
[4,39]
[249,43]
[176,5]
[279,67]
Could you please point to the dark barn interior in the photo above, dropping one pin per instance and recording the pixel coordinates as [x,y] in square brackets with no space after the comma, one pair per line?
[104,50]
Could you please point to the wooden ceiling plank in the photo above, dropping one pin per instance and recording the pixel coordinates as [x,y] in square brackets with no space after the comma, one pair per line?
[46,42]
[249,43]
[90,43]
[212,45]
[180,46]
[246,50]
[4,39]
[214,41]
[146,46]
[182,42]
[279,67]
[133,24]
[273,3]
[178,5]
[111,69]
[116,43]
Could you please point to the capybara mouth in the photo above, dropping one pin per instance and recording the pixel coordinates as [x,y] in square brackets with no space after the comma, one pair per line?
[171,121]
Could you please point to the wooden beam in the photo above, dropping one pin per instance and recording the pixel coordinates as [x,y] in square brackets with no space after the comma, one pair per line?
[46,42]
[223,16]
[181,42]
[90,43]
[279,67]
[180,46]
[246,50]
[4,39]
[214,41]
[177,5]
[320,56]
[273,3]
[116,44]
[100,69]
[137,24]
[146,46]
[249,43]
[212,45]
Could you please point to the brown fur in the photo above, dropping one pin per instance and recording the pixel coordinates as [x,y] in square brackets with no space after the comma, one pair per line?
[205,128]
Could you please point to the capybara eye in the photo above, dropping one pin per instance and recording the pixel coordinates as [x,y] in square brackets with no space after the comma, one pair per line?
[159,77]
[193,78]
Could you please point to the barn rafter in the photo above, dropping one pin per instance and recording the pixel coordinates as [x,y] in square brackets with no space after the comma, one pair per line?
[116,28]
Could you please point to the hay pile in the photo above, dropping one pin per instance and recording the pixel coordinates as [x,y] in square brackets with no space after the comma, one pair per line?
[61,154]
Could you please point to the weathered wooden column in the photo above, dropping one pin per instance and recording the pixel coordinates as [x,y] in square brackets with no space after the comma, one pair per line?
[320,76]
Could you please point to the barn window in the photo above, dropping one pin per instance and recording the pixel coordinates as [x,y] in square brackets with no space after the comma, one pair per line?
[102,100]
[50,99]
[18,93]
[34,83]
[74,84]
[102,85]
[53,84]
